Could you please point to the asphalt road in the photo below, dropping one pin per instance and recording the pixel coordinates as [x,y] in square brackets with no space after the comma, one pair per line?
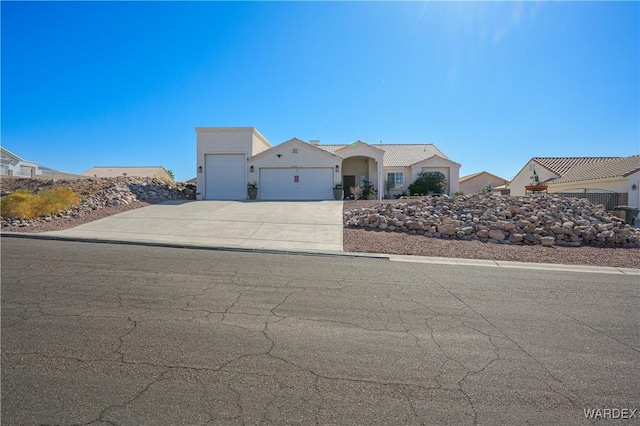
[103,333]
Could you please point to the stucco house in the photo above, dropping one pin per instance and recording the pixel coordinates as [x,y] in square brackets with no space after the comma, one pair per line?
[619,175]
[473,183]
[230,157]
[157,172]
[13,165]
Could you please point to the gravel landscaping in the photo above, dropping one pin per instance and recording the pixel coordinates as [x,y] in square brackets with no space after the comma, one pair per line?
[105,197]
[378,241]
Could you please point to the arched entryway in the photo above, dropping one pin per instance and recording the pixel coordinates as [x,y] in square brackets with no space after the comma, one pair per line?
[361,166]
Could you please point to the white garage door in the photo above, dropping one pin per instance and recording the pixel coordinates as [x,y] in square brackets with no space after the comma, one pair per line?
[225,177]
[296,184]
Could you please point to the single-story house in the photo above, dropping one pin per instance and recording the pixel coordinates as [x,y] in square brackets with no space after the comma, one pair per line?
[606,175]
[157,172]
[12,165]
[473,183]
[229,158]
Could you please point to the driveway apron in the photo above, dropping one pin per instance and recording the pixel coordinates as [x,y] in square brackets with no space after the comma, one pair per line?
[276,225]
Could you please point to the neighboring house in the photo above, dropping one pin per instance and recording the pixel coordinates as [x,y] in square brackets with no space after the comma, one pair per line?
[607,175]
[230,157]
[157,172]
[12,165]
[473,184]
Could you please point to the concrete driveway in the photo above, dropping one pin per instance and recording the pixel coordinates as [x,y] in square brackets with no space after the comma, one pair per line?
[277,225]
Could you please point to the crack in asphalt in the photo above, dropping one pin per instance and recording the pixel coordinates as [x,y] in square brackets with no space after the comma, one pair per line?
[590,327]
[407,315]
[103,413]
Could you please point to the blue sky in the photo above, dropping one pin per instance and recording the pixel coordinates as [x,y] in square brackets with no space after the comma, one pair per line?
[491,84]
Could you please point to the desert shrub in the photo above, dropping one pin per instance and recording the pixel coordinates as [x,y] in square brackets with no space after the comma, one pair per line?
[27,205]
[487,188]
[356,191]
[428,183]
[367,190]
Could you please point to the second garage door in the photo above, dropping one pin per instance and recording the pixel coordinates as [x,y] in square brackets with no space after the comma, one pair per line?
[296,184]
[225,177]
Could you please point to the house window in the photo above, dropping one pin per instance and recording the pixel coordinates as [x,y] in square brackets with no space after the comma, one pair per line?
[4,170]
[396,180]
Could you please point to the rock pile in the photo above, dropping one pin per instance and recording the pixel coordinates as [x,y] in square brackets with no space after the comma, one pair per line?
[99,193]
[545,219]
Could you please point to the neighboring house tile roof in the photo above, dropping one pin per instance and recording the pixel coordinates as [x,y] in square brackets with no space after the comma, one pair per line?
[138,171]
[398,155]
[561,165]
[609,168]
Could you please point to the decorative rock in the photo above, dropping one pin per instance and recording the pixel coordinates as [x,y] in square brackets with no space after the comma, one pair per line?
[496,234]
[516,238]
[447,229]
[547,241]
[532,219]
[483,233]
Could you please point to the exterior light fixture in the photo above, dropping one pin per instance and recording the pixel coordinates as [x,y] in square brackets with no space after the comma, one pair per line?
[251,169]
[199,169]
[337,168]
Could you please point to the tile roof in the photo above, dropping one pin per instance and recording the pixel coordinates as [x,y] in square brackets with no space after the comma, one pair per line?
[561,165]
[399,155]
[609,168]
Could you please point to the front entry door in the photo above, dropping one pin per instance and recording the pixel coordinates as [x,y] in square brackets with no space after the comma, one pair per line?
[348,181]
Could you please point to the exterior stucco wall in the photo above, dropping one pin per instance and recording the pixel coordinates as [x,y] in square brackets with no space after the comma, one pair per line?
[356,166]
[406,176]
[523,178]
[372,167]
[634,194]
[361,150]
[450,170]
[614,185]
[306,156]
[16,166]
[259,143]
[475,184]
[163,175]
[220,141]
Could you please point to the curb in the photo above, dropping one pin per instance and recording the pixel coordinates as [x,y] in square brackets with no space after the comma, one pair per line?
[196,246]
[504,264]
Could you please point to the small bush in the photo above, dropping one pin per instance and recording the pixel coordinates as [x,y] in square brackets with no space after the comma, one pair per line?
[487,188]
[428,183]
[27,205]
[356,191]
[367,190]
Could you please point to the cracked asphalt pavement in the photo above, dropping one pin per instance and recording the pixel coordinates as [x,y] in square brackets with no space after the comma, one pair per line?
[117,334]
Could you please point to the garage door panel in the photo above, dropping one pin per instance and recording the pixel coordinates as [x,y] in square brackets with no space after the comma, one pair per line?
[311,183]
[225,177]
